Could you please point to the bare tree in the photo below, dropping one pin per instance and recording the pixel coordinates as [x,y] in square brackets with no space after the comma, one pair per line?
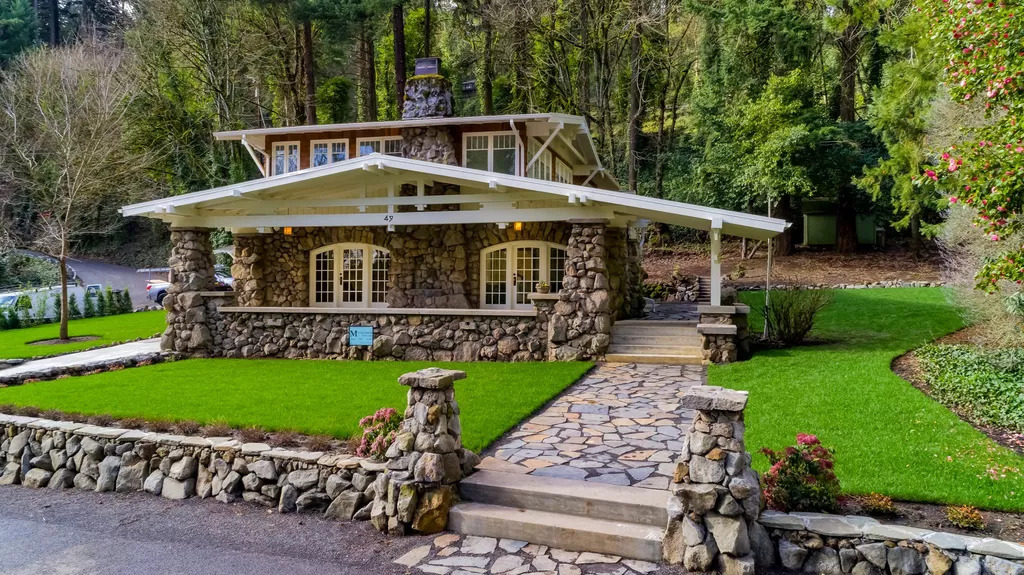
[66,146]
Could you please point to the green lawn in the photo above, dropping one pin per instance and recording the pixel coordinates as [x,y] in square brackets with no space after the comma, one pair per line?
[313,396]
[15,343]
[888,436]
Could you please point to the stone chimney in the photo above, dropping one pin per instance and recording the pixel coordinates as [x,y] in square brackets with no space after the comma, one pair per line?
[428,94]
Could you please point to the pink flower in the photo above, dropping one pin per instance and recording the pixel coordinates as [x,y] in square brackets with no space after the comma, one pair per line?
[953,200]
[806,439]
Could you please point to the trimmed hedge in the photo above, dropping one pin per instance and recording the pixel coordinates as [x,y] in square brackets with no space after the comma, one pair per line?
[987,384]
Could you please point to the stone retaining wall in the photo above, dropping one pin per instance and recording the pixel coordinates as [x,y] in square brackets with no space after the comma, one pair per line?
[874,285]
[59,455]
[836,544]
[725,337]
[408,337]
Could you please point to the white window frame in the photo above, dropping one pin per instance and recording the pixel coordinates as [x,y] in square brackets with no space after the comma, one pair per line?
[381,139]
[367,279]
[563,172]
[330,159]
[543,166]
[490,148]
[273,157]
[544,273]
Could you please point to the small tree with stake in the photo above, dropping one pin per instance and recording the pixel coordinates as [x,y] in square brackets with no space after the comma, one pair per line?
[66,144]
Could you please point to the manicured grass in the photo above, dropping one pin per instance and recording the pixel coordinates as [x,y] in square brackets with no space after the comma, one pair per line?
[15,343]
[889,437]
[315,397]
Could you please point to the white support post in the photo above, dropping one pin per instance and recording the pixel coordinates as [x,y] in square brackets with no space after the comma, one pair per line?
[716,262]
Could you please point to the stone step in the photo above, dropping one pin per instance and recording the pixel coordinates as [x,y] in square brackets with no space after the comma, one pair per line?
[561,531]
[634,349]
[568,497]
[665,359]
[656,323]
[654,330]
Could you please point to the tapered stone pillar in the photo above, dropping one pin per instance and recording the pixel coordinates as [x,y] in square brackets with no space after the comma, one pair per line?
[191,274]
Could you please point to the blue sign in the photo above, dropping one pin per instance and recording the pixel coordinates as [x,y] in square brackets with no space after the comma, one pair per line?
[360,335]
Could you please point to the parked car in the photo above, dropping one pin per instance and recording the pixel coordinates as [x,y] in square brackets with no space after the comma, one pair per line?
[156,291]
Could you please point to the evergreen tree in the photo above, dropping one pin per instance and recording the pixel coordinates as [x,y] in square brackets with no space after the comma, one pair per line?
[17,28]
[73,310]
[90,305]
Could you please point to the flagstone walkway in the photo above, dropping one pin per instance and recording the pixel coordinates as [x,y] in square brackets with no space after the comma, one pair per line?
[622,425]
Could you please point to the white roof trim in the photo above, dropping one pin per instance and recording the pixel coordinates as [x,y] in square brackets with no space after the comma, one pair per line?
[656,209]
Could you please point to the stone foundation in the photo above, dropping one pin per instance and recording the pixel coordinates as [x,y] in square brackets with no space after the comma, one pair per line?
[397,336]
[60,455]
[426,460]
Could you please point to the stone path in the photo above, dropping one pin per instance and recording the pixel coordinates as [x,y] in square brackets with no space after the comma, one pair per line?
[621,425]
[674,310]
[122,351]
[452,554]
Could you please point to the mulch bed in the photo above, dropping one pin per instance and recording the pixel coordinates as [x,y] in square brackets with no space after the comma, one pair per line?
[998,524]
[56,341]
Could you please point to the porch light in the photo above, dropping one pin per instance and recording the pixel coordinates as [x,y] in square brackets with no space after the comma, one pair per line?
[288,231]
[518,226]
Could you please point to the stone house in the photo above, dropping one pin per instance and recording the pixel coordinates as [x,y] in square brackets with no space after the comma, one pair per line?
[436,237]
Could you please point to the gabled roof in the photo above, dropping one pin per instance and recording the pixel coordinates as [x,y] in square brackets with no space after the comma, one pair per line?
[301,199]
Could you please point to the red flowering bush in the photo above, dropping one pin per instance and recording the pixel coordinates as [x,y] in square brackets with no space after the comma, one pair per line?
[801,477]
[379,431]
[980,43]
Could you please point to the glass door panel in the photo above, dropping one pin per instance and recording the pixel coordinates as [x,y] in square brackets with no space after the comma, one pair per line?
[527,274]
[351,276]
[496,270]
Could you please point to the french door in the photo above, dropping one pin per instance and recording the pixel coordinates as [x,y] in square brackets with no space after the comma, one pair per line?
[349,275]
[512,271]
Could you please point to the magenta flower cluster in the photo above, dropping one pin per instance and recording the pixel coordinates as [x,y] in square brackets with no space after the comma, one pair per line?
[379,431]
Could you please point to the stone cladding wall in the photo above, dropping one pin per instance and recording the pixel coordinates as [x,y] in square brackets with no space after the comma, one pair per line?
[836,544]
[60,454]
[408,337]
[428,96]
[716,495]
[247,270]
[426,460]
[625,276]
[580,324]
[191,274]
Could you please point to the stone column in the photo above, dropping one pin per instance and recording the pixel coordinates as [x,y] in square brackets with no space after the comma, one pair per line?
[247,269]
[723,332]
[426,460]
[581,322]
[716,495]
[191,264]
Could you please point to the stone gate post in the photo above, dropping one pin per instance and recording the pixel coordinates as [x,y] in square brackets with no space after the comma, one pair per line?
[191,273]
[717,496]
[426,460]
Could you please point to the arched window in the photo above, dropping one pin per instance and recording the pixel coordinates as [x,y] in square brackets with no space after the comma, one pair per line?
[509,272]
[349,275]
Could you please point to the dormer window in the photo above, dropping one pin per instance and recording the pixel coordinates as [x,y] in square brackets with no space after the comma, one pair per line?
[325,152]
[389,146]
[286,158]
[493,152]
[563,173]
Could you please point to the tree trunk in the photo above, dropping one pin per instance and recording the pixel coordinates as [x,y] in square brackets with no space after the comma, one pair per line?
[55,23]
[398,29]
[783,243]
[63,293]
[846,220]
[915,236]
[307,63]
[633,128]
[487,89]
[849,47]
[426,28]
[367,77]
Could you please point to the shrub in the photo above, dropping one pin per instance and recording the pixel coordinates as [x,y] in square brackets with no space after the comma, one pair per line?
[218,428]
[252,434]
[74,312]
[286,438]
[987,384]
[801,477]
[100,419]
[655,290]
[379,431]
[187,427]
[90,305]
[28,411]
[790,313]
[965,517]
[124,301]
[320,443]
[878,504]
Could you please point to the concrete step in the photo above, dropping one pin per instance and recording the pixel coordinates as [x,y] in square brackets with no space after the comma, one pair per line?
[558,530]
[568,497]
[629,349]
[655,358]
[656,323]
[648,329]
[657,339]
